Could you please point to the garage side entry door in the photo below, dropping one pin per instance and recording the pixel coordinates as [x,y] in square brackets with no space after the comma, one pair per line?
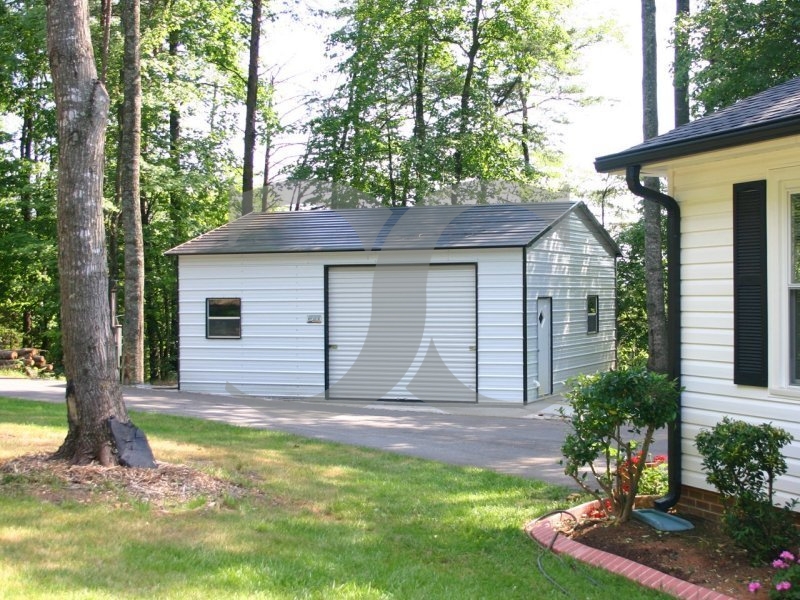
[402,332]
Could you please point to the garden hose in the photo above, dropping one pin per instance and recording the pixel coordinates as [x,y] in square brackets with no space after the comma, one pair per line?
[549,548]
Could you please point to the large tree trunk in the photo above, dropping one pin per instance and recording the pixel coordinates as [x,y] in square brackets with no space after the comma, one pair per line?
[654,267]
[130,150]
[93,392]
[250,117]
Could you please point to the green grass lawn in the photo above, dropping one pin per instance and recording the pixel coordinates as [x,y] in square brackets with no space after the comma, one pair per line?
[315,520]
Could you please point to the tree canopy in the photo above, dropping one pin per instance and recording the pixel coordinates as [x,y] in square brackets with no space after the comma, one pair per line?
[737,48]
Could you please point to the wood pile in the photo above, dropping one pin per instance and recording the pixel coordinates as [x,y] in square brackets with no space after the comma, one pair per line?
[28,360]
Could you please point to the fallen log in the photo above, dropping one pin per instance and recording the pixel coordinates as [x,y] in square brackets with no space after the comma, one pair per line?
[26,352]
[8,354]
[10,364]
[39,360]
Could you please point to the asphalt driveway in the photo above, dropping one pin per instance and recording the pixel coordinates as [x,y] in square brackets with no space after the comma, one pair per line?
[523,441]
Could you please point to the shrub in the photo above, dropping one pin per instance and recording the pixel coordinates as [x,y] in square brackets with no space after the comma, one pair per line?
[614,417]
[742,461]
[655,477]
[786,581]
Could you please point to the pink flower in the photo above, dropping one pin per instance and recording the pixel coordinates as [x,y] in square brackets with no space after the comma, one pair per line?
[783,585]
[786,555]
[779,564]
[754,587]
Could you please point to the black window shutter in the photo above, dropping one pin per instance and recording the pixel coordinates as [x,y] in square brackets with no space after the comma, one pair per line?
[750,283]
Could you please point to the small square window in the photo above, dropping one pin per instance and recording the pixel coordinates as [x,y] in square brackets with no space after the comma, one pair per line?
[224,318]
[592,314]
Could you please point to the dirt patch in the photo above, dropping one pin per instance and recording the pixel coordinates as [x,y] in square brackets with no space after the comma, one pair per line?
[166,486]
[703,555]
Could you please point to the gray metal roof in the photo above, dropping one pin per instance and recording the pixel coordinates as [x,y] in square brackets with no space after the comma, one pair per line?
[770,114]
[417,228]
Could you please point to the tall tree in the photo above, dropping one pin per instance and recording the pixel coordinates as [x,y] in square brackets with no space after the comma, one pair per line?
[129,157]
[251,109]
[737,48]
[93,392]
[680,74]
[658,359]
[440,93]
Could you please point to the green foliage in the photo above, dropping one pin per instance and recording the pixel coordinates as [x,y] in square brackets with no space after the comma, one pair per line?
[436,94]
[737,48]
[614,417]
[10,338]
[742,461]
[631,292]
[190,67]
[655,479]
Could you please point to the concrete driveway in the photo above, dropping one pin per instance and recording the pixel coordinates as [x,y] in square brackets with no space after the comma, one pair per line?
[523,441]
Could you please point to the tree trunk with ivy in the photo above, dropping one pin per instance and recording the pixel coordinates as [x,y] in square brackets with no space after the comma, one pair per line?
[93,392]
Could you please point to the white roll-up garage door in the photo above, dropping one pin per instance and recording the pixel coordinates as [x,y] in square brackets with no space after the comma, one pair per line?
[402,332]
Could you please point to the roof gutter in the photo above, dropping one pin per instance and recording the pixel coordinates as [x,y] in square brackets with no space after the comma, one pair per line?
[716,140]
[632,177]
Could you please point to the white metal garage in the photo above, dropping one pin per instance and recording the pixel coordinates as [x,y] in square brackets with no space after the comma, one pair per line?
[486,303]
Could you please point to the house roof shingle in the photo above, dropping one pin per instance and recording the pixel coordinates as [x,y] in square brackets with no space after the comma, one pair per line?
[768,115]
[417,228]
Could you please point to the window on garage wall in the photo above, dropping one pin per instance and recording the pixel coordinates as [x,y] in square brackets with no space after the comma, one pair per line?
[592,313]
[224,318]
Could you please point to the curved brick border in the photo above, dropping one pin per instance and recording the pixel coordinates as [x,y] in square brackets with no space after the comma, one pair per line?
[542,531]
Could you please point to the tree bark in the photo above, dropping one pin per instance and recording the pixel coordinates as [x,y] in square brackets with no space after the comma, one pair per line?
[130,151]
[466,90]
[250,117]
[93,392]
[681,68]
[658,356]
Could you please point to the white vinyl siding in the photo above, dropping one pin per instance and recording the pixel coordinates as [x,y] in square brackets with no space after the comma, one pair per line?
[568,264]
[703,186]
[402,332]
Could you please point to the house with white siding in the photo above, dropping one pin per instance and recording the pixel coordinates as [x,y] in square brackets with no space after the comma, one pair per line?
[476,303]
[733,205]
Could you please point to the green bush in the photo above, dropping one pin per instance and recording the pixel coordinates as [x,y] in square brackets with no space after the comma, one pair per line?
[614,417]
[9,338]
[742,461]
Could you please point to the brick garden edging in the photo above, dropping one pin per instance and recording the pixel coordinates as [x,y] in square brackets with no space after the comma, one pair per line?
[543,531]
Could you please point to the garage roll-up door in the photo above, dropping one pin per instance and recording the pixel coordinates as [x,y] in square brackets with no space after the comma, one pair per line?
[402,332]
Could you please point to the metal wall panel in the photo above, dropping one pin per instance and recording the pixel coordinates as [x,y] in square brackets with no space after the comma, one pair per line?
[568,264]
[282,354]
[402,332]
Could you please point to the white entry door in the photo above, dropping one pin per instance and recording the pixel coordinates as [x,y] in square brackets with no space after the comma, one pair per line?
[402,332]
[544,309]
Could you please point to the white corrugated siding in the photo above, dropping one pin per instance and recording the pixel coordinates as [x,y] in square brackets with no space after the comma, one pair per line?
[703,187]
[568,264]
[402,332]
[281,354]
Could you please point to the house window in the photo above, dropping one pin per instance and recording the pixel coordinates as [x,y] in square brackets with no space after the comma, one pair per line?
[224,318]
[592,314]
[794,288]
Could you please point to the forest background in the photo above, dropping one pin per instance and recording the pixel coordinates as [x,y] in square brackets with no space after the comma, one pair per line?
[413,97]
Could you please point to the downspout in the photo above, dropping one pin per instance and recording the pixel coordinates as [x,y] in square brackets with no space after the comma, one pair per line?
[632,177]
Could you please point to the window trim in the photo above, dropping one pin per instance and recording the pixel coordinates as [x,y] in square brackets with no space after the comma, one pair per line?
[210,318]
[592,320]
[792,286]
